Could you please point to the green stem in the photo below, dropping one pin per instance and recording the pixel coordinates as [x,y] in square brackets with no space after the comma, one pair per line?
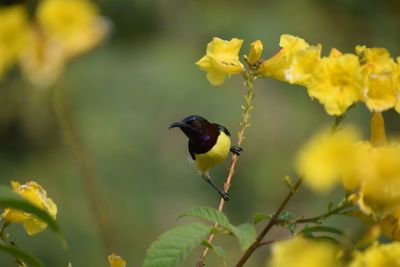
[4,239]
[249,77]
[89,180]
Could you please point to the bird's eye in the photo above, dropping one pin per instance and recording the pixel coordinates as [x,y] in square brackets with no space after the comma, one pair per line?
[195,123]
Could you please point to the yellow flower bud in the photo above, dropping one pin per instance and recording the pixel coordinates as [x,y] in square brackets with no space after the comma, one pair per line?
[335,53]
[116,261]
[378,136]
[256,49]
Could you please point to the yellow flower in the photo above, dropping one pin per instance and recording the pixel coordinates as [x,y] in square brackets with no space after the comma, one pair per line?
[380,190]
[256,49]
[116,261]
[327,158]
[34,193]
[43,61]
[378,255]
[380,78]
[301,252]
[13,29]
[303,65]
[221,60]
[390,227]
[73,24]
[337,83]
[294,62]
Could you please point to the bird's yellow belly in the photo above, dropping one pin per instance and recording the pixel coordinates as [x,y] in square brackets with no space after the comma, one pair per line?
[216,155]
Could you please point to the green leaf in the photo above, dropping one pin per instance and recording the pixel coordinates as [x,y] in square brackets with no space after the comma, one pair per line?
[210,214]
[259,217]
[286,215]
[246,234]
[327,229]
[10,199]
[24,256]
[217,249]
[172,247]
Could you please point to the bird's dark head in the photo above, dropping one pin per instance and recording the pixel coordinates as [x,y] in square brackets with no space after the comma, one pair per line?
[192,126]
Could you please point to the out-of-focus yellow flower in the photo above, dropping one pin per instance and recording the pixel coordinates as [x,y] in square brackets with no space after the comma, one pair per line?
[34,193]
[294,62]
[221,60]
[378,255]
[390,227]
[43,61]
[380,78]
[73,24]
[372,234]
[337,83]
[380,190]
[13,29]
[327,158]
[301,252]
[116,261]
[256,49]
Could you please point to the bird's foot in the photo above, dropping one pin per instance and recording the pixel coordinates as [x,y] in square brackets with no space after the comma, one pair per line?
[224,195]
[236,150]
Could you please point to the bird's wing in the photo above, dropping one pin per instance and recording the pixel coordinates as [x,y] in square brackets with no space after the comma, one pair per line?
[191,151]
[223,129]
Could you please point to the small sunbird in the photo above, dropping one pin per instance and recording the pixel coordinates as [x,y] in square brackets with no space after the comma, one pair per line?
[209,145]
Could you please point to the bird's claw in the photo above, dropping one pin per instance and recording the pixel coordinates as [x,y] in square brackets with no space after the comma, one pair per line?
[224,195]
[236,150]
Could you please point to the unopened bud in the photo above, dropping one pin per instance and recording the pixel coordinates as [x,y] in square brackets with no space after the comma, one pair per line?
[256,49]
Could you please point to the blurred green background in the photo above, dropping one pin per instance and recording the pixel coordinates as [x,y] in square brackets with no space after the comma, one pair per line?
[124,94]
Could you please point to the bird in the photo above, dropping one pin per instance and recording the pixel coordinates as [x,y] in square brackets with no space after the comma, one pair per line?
[209,145]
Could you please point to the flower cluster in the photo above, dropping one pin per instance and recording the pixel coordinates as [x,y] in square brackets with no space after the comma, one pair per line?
[35,194]
[369,171]
[60,31]
[338,80]
[302,252]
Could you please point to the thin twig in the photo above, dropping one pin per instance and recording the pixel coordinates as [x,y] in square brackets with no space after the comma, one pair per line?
[268,242]
[87,174]
[250,78]
[271,223]
[316,219]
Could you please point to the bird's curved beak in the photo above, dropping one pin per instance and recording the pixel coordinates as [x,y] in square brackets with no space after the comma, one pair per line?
[178,124]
